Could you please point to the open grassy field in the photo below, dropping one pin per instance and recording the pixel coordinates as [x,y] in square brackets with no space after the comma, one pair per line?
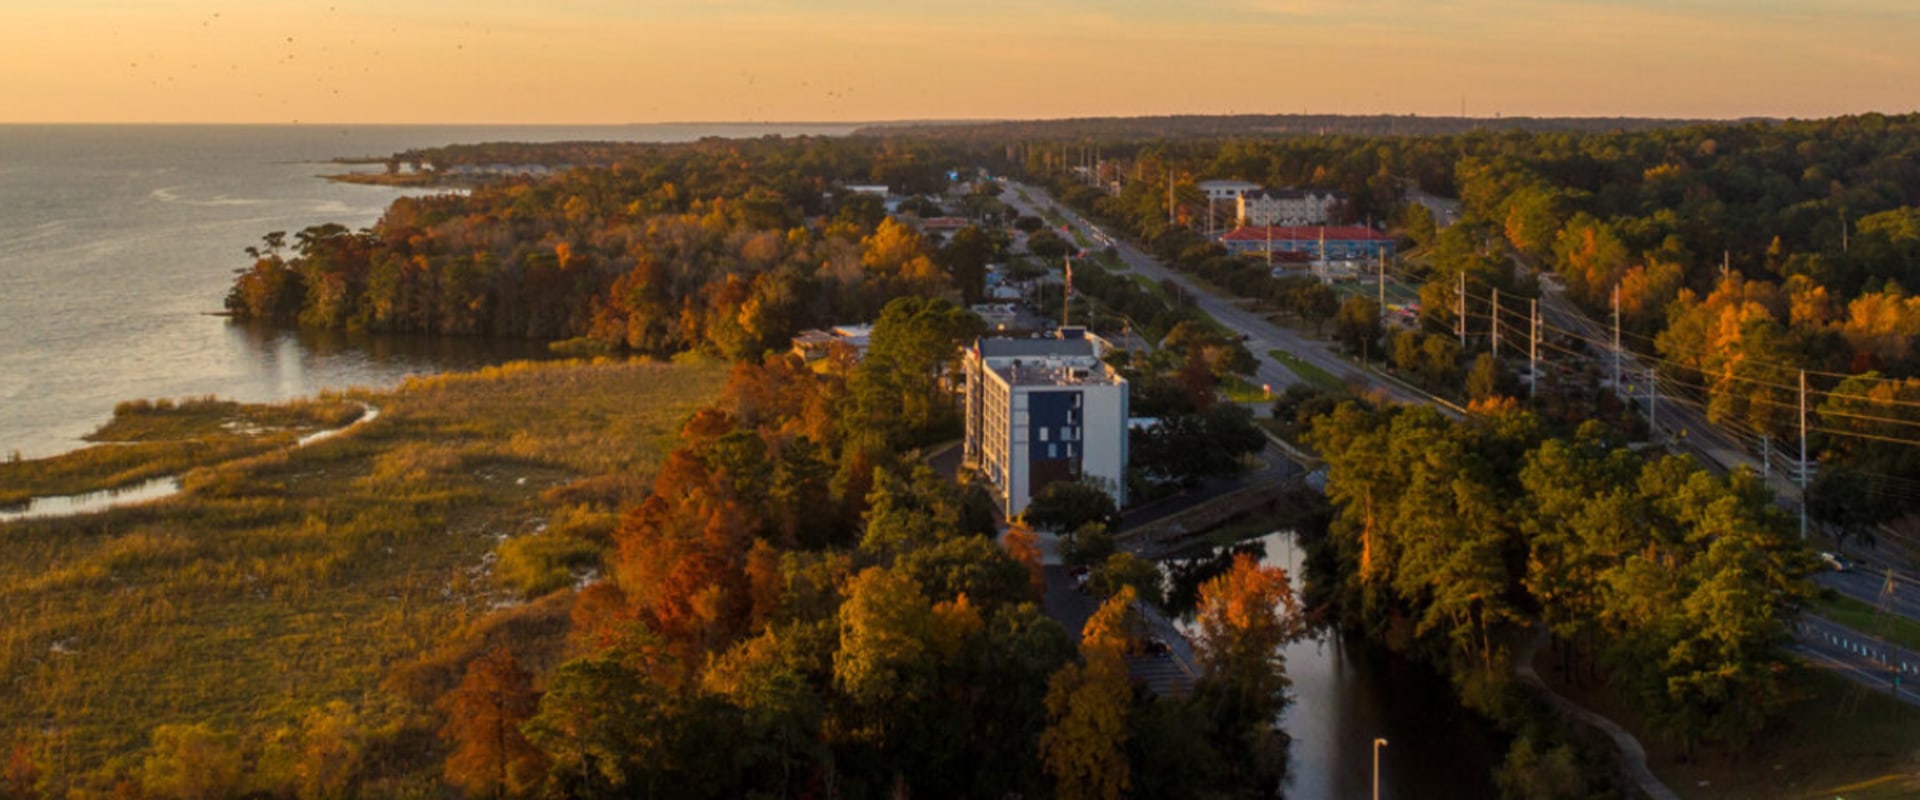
[1314,376]
[1867,619]
[287,579]
[1836,739]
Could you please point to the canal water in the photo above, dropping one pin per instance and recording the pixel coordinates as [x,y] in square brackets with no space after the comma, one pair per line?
[1348,691]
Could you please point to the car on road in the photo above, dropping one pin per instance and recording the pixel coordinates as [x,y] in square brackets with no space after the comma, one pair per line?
[1835,562]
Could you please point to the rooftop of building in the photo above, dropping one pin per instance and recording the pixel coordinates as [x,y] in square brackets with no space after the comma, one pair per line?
[1068,357]
[1291,194]
[1054,372]
[1072,341]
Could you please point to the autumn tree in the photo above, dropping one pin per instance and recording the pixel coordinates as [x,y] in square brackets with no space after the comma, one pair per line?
[1246,616]
[1084,745]
[191,762]
[20,778]
[490,756]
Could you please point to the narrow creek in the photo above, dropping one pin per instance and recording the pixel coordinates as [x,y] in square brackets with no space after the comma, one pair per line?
[145,492]
[1347,691]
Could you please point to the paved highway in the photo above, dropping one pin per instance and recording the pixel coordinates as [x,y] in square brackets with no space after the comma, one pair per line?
[1863,659]
[1262,335]
[1868,585]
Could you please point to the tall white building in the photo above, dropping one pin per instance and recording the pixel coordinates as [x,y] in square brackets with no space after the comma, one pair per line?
[1288,207]
[1045,410]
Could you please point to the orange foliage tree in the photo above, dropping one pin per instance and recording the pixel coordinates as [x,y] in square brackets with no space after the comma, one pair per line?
[490,757]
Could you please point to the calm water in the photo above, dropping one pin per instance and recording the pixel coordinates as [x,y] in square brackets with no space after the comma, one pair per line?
[117,241]
[1347,692]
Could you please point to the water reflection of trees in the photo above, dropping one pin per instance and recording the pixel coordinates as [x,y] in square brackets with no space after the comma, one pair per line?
[1188,571]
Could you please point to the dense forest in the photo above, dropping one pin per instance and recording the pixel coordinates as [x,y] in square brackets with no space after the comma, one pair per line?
[702,245]
[1741,255]
[1454,540]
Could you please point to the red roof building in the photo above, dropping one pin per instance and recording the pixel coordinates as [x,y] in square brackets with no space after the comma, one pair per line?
[1320,242]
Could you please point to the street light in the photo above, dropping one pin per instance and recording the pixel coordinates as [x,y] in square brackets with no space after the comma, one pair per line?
[1377,744]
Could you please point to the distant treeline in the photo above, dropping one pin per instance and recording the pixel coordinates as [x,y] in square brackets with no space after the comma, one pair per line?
[1185,126]
[728,245]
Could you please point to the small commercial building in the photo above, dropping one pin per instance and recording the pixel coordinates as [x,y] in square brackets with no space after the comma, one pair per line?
[814,345]
[1045,410]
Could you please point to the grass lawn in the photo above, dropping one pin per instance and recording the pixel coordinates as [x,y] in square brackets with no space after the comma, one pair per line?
[1835,740]
[1838,740]
[1314,376]
[1865,618]
[1240,390]
[283,580]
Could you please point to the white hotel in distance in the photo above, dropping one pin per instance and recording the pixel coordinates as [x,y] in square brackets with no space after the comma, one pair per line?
[1045,410]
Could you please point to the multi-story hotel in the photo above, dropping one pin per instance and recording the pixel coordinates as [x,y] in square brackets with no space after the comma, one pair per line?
[1045,410]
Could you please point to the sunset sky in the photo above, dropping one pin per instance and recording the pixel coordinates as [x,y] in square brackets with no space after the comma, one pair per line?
[616,61]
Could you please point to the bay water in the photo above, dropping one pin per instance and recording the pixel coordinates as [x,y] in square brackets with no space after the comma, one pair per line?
[118,243]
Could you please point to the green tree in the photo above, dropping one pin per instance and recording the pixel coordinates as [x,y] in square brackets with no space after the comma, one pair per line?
[1068,505]
[1357,326]
[966,256]
[1530,773]
[885,659]
[599,721]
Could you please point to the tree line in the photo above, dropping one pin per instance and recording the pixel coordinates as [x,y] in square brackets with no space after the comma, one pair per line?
[1740,254]
[1452,540]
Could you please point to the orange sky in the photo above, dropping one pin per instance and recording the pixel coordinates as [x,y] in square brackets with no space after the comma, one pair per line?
[616,61]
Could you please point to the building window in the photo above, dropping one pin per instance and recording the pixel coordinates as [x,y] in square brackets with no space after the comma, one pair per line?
[1053,451]
[1043,432]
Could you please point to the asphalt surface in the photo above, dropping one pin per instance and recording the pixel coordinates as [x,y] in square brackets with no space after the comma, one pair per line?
[1169,674]
[1863,659]
[1262,335]
[1868,586]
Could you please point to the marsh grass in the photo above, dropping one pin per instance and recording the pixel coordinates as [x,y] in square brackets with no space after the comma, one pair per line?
[282,579]
[152,439]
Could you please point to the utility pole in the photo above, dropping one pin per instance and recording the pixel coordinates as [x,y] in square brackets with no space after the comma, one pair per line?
[1460,312]
[1653,404]
[1766,456]
[1496,322]
[1616,341]
[1170,216]
[1533,350]
[1804,466]
[1383,284]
